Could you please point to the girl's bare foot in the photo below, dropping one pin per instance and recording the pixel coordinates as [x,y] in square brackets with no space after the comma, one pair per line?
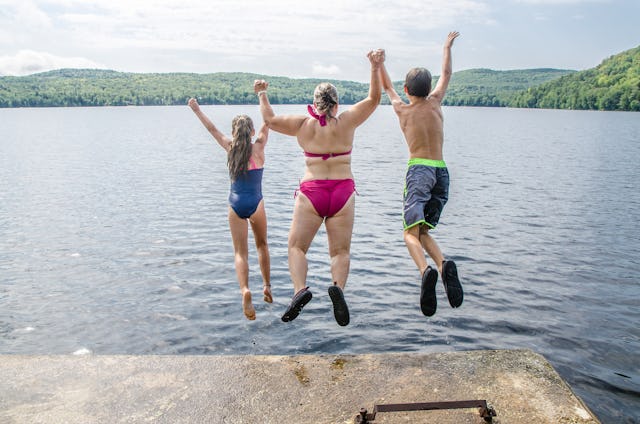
[247,306]
[266,291]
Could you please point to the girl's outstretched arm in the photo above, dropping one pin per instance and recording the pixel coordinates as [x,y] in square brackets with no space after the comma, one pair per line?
[263,136]
[260,142]
[222,139]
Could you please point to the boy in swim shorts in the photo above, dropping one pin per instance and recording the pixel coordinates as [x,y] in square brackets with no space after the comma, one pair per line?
[427,178]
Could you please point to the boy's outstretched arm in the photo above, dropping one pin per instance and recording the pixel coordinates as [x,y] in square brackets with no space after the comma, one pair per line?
[222,139]
[387,85]
[445,76]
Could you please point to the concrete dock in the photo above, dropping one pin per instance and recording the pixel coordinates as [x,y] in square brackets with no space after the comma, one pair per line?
[521,386]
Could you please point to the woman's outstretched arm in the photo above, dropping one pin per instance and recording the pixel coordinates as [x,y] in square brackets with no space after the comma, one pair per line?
[285,124]
[359,112]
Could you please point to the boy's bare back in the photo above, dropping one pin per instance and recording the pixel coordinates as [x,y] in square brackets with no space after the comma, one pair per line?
[421,119]
[421,123]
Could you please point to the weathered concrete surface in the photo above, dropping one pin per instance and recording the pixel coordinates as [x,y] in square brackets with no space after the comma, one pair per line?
[520,385]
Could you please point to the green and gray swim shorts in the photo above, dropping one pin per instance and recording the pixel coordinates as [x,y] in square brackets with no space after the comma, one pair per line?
[426,191]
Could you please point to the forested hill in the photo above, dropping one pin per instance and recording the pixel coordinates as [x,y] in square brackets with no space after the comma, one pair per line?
[90,87]
[612,85]
[486,87]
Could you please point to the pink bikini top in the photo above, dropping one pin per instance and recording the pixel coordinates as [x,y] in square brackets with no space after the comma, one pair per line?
[323,121]
[325,156]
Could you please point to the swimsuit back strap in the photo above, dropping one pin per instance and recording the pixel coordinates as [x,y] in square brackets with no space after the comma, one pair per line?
[252,164]
[325,156]
[313,112]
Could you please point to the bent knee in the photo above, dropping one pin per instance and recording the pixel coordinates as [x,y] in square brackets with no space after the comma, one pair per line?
[408,235]
[261,243]
[411,237]
[295,248]
[241,256]
[340,253]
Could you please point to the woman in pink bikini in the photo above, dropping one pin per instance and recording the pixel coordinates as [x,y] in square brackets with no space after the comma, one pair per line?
[327,189]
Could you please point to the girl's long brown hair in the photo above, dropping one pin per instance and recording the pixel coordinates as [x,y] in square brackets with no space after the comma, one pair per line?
[240,151]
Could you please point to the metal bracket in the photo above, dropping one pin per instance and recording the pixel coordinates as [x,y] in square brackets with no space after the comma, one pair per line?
[486,411]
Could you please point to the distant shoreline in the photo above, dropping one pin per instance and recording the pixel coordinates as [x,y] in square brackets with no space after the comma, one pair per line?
[613,85]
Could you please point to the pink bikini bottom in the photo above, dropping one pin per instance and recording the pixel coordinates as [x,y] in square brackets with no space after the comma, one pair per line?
[328,196]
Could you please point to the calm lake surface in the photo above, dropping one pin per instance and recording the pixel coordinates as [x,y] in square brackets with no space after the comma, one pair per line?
[114,240]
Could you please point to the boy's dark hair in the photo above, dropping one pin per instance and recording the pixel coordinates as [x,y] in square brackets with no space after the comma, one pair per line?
[418,82]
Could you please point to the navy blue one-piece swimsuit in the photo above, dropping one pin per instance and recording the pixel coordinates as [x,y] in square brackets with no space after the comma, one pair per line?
[246,193]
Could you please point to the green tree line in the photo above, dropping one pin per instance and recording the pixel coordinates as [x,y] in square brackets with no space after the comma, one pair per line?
[486,87]
[91,87]
[613,85]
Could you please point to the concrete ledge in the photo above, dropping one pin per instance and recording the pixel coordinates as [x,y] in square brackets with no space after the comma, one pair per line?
[520,385]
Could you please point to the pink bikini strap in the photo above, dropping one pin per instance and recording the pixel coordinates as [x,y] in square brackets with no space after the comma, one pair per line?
[314,113]
[252,164]
[325,156]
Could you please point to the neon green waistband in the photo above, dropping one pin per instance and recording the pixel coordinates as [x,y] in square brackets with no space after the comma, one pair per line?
[427,162]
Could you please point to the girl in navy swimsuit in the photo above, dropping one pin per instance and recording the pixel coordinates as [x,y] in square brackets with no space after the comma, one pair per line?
[246,164]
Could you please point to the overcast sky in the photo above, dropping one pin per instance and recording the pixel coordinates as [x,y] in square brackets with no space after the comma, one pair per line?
[320,39]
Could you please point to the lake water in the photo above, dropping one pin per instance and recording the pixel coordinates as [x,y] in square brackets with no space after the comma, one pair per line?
[114,240]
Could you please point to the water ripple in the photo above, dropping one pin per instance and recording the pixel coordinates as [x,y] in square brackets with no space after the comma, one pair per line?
[114,240]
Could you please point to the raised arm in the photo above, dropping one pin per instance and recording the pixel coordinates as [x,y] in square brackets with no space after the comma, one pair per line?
[286,124]
[222,139]
[263,136]
[359,112]
[445,76]
[387,85]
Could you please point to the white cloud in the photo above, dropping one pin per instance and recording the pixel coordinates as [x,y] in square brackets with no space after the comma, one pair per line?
[28,62]
[278,36]
[321,70]
[561,2]
[250,26]
[26,12]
